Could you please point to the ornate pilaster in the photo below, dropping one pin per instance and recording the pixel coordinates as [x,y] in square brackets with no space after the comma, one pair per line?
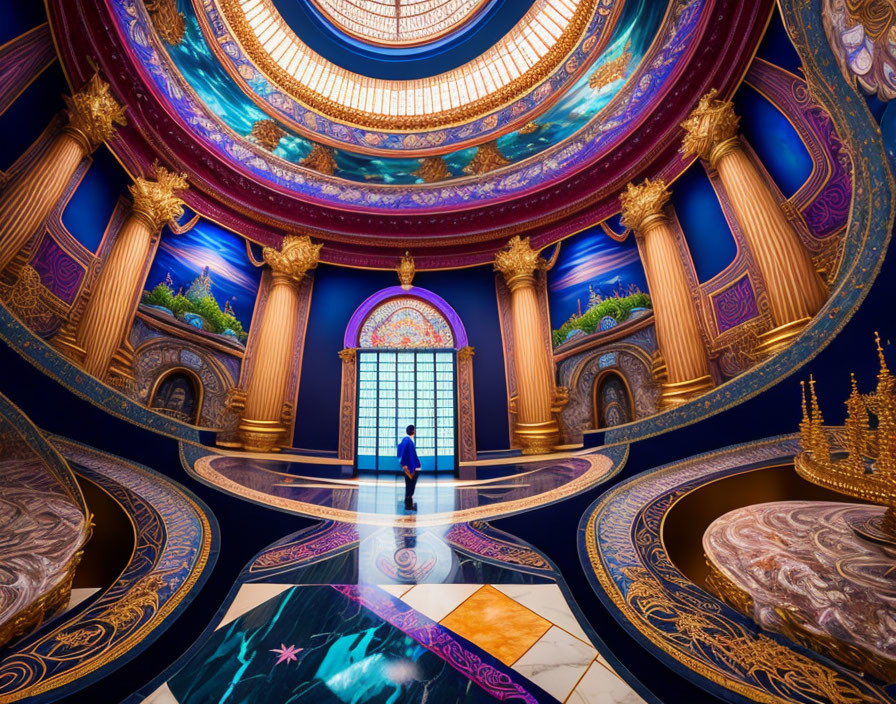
[466,422]
[348,403]
[677,330]
[100,342]
[536,427]
[262,425]
[26,201]
[795,289]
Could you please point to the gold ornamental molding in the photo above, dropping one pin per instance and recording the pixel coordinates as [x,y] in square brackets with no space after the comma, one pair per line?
[296,257]
[527,55]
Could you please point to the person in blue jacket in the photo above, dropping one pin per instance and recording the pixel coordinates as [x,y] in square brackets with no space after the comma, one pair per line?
[410,465]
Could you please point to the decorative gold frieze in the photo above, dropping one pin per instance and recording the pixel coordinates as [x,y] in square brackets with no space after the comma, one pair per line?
[158,201]
[169,23]
[267,134]
[487,158]
[518,261]
[297,255]
[406,271]
[93,113]
[432,169]
[711,129]
[643,206]
[611,71]
[320,159]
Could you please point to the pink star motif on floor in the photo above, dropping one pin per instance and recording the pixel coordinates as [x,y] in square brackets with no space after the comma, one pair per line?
[287,654]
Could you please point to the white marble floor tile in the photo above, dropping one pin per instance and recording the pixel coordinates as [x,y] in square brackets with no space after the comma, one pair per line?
[162,695]
[396,590]
[249,596]
[438,600]
[548,602]
[79,595]
[556,662]
[604,687]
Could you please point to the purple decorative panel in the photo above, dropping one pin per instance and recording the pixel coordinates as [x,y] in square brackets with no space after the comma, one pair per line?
[59,271]
[825,198]
[735,305]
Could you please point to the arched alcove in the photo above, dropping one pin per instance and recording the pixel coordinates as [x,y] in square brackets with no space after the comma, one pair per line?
[178,393]
[613,403]
[406,361]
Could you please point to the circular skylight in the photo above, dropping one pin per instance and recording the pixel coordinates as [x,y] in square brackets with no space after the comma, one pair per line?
[399,22]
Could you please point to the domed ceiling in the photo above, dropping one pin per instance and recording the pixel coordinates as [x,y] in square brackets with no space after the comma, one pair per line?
[438,126]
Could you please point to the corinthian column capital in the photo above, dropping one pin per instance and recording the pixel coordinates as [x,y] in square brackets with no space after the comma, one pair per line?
[93,113]
[157,201]
[517,262]
[711,130]
[297,255]
[642,206]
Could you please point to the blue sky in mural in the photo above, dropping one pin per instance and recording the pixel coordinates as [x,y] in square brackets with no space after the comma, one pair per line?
[233,277]
[591,258]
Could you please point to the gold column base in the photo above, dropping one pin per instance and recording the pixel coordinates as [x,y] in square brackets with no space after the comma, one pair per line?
[537,438]
[66,344]
[121,366]
[778,338]
[678,393]
[261,435]
[658,368]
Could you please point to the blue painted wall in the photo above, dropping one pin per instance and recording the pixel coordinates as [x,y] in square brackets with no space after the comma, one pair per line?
[19,17]
[774,139]
[28,116]
[705,229]
[338,292]
[87,213]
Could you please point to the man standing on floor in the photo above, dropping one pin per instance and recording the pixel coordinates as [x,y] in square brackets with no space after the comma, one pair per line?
[410,465]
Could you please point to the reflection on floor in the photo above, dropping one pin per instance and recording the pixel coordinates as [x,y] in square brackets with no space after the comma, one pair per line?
[330,492]
[354,613]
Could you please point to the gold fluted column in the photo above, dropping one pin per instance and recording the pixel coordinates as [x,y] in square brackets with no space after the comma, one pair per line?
[795,289]
[103,329]
[261,426]
[28,199]
[536,428]
[677,331]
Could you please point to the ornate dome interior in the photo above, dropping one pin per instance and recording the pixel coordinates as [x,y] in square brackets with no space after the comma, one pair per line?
[398,351]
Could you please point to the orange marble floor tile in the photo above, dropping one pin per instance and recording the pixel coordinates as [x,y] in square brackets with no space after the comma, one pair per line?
[497,624]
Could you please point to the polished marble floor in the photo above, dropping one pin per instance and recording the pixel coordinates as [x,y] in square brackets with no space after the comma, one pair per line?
[332,492]
[457,613]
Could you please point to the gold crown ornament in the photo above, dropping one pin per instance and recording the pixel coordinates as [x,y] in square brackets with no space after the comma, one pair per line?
[865,468]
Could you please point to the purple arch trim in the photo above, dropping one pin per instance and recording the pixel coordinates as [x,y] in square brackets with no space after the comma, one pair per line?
[353,331]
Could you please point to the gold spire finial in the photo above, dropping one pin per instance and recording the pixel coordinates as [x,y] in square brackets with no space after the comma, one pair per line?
[158,200]
[406,271]
[880,354]
[642,205]
[710,129]
[93,113]
[297,255]
[869,469]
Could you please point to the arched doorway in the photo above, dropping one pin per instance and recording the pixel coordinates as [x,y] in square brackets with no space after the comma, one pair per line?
[178,393]
[405,346]
[612,401]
